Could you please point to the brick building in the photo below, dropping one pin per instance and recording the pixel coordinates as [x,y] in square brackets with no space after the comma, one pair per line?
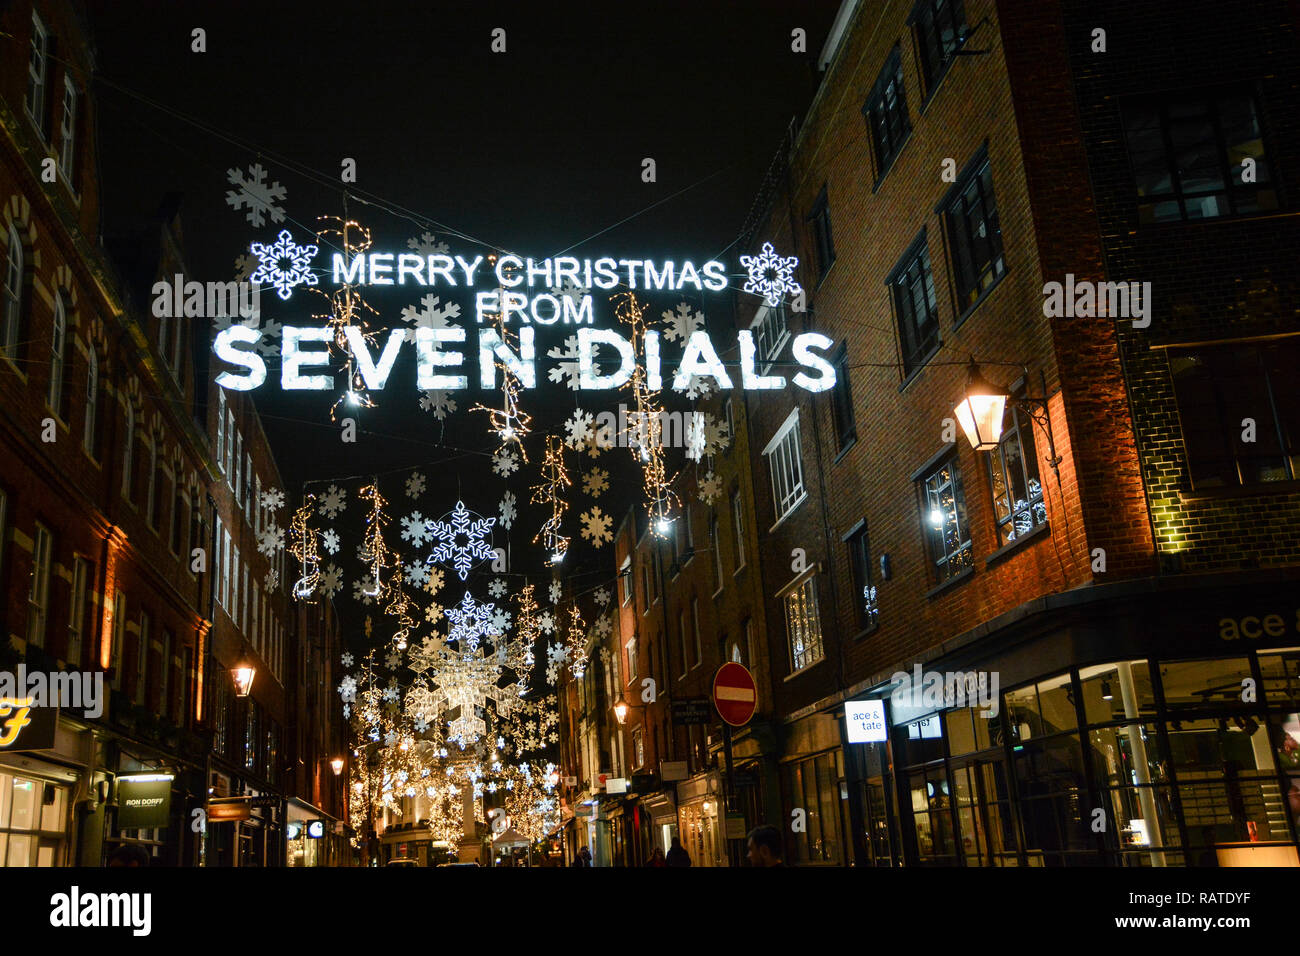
[1102,556]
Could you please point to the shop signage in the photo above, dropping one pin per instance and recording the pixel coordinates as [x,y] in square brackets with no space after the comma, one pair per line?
[736,826]
[143,800]
[735,694]
[584,810]
[316,830]
[616,785]
[865,720]
[228,809]
[670,770]
[693,710]
[292,831]
[26,727]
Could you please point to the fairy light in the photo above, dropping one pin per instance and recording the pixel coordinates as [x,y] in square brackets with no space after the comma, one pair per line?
[347,307]
[510,423]
[304,546]
[555,479]
[373,549]
[577,643]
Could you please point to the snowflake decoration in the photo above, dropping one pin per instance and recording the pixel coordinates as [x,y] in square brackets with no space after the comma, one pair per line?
[497,588]
[331,580]
[273,498]
[596,526]
[435,582]
[256,194]
[347,659]
[603,627]
[508,510]
[770,275]
[333,502]
[595,482]
[363,590]
[439,402]
[390,739]
[567,366]
[557,654]
[330,541]
[432,315]
[681,323]
[546,622]
[470,621]
[272,579]
[284,264]
[504,461]
[697,386]
[244,266]
[602,596]
[717,434]
[415,528]
[432,613]
[348,688]
[417,575]
[427,245]
[555,592]
[578,427]
[391,661]
[415,485]
[696,440]
[421,725]
[473,528]
[710,488]
[270,540]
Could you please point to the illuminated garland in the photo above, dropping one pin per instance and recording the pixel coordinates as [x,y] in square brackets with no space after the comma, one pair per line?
[555,479]
[348,308]
[304,547]
[644,432]
[373,550]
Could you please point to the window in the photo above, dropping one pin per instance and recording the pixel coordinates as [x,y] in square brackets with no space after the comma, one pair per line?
[738,529]
[715,544]
[820,217]
[58,355]
[68,134]
[681,638]
[625,582]
[645,586]
[128,454]
[225,570]
[1191,154]
[631,660]
[1018,505]
[785,466]
[164,675]
[914,303]
[230,446]
[864,591]
[38,591]
[221,429]
[944,516]
[695,631]
[37,74]
[119,637]
[730,412]
[886,113]
[236,471]
[688,533]
[842,400]
[771,332]
[638,748]
[178,514]
[90,430]
[13,295]
[803,625]
[257,506]
[77,610]
[747,648]
[151,495]
[940,27]
[975,235]
[33,817]
[187,664]
[141,657]
[1218,389]
[248,487]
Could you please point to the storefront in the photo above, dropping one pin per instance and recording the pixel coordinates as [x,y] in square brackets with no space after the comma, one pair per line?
[701,819]
[1140,729]
[312,836]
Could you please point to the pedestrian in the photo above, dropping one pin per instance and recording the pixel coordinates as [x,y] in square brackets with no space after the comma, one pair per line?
[677,855]
[765,847]
[656,859]
[582,857]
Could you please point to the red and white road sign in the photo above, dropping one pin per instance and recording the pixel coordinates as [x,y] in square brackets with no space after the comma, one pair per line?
[735,694]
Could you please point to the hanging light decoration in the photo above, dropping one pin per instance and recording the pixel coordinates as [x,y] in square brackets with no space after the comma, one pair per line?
[303,546]
[555,479]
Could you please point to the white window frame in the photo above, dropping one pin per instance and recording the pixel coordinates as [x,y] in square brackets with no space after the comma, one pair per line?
[814,642]
[68,132]
[771,328]
[784,454]
[38,591]
[230,446]
[738,530]
[221,430]
[625,582]
[630,648]
[13,294]
[58,354]
[38,75]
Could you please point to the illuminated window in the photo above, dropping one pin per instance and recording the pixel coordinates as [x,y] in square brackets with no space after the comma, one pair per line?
[940,26]
[943,516]
[1018,505]
[803,624]
[864,591]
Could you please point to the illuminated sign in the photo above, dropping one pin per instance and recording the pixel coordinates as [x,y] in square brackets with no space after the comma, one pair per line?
[865,720]
[316,829]
[24,726]
[143,800]
[292,831]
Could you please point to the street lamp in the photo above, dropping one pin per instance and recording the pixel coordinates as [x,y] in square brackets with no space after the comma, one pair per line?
[621,709]
[243,673]
[337,766]
[981,409]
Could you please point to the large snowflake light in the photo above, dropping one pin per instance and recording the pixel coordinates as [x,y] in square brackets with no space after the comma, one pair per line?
[283,264]
[470,621]
[462,540]
[770,275]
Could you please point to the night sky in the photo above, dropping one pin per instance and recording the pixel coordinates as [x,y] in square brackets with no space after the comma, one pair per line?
[533,151]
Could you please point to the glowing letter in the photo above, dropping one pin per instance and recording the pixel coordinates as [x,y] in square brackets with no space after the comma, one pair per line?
[375,376]
[522,366]
[700,359]
[292,360]
[587,338]
[355,273]
[224,347]
[426,345]
[747,377]
[802,355]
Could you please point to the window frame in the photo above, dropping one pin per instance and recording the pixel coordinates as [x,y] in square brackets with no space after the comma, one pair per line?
[915,267]
[78,595]
[784,457]
[866,605]
[68,134]
[1021,423]
[941,566]
[90,424]
[38,589]
[738,531]
[12,320]
[819,216]
[957,215]
[54,394]
[878,107]
[34,100]
[805,581]
[922,20]
[843,416]
[771,328]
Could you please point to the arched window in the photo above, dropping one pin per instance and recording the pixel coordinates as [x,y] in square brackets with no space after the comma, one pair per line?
[13,295]
[58,347]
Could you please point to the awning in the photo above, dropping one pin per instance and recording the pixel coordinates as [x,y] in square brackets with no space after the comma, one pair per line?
[510,837]
[302,811]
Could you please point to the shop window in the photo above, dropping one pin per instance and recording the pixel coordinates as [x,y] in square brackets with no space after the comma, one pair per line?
[1041,709]
[813,786]
[911,285]
[1227,783]
[1049,782]
[33,821]
[985,827]
[1018,506]
[886,113]
[1281,673]
[1192,685]
[930,798]
[1119,691]
[1239,411]
[1191,153]
[1134,784]
[947,534]
[940,27]
[974,235]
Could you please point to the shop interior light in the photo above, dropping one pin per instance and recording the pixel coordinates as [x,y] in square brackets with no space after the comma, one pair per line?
[1105,691]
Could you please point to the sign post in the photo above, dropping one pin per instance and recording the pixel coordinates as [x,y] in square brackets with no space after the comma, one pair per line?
[735,696]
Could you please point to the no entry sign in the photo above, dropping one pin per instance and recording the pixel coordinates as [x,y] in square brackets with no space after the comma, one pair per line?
[734,693]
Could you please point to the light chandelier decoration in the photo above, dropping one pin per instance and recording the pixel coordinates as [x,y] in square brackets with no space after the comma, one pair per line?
[644,432]
[373,550]
[346,306]
[577,642]
[510,423]
[304,547]
[555,480]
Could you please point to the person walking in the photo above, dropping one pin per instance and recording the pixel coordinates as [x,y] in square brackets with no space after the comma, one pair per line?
[765,847]
[582,857]
[657,859]
[677,855]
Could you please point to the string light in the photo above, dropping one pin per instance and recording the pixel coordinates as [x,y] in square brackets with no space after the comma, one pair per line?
[303,546]
[555,479]
[644,431]
[373,550]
